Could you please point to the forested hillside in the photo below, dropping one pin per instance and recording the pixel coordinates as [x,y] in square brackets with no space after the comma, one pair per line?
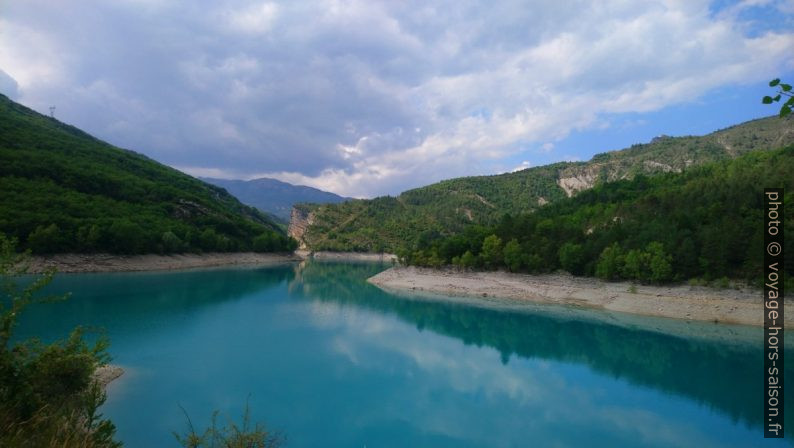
[66,191]
[705,223]
[388,223]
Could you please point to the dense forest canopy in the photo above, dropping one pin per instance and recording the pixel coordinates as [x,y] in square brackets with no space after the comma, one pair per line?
[66,191]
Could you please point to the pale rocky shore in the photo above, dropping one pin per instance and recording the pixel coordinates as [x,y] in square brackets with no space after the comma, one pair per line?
[119,263]
[105,374]
[728,306]
[353,256]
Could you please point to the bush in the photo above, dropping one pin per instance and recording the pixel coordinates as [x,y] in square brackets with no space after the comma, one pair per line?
[572,258]
[610,263]
[48,395]
[45,240]
[492,252]
[231,436]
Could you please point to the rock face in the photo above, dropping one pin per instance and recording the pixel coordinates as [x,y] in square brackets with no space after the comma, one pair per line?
[573,180]
[300,220]
[577,178]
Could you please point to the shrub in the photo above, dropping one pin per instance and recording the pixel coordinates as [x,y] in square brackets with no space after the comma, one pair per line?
[48,396]
[231,435]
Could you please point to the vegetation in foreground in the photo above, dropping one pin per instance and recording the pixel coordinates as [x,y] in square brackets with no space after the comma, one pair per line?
[48,395]
[704,223]
[232,435]
[66,191]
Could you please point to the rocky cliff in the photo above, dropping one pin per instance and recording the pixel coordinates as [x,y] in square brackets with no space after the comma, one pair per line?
[300,220]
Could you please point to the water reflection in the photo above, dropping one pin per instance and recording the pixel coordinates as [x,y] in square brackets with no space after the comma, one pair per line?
[136,302]
[720,374]
[335,361]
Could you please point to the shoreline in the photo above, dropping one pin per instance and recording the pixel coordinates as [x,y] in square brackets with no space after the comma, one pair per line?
[685,303]
[106,374]
[349,256]
[74,263]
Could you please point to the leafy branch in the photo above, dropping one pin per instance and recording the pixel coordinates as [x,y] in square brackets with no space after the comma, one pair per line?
[784,91]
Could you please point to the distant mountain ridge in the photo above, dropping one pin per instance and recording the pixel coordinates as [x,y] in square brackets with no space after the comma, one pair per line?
[274,196]
[64,190]
[446,207]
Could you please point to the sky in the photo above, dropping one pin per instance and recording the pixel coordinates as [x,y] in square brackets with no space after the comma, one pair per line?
[367,98]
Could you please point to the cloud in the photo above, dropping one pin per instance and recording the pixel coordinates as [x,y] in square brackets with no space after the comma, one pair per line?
[525,399]
[524,165]
[367,98]
[8,86]
[256,18]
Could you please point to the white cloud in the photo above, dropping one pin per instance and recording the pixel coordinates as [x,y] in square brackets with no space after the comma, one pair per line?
[255,18]
[524,165]
[540,393]
[367,98]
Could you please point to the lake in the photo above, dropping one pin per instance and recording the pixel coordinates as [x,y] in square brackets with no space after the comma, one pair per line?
[330,360]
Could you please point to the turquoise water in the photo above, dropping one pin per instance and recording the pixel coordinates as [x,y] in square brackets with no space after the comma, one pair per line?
[333,361]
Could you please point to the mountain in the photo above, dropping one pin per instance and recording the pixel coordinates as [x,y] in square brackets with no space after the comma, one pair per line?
[705,223]
[273,196]
[389,223]
[66,191]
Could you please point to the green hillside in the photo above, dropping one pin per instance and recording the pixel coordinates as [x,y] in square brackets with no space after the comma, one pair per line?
[704,223]
[66,191]
[388,223]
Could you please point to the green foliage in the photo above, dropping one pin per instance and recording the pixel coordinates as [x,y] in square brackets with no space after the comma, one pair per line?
[45,239]
[572,257]
[610,263]
[514,255]
[450,207]
[784,93]
[65,191]
[491,253]
[659,263]
[701,223]
[231,436]
[468,260]
[48,396]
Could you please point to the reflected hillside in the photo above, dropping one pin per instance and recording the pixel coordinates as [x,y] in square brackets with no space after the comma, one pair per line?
[721,375]
[140,299]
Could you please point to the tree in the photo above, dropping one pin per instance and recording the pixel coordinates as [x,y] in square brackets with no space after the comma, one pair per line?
[48,394]
[660,263]
[172,243]
[784,92]
[610,263]
[572,257]
[45,240]
[126,237]
[208,240]
[513,255]
[468,260]
[634,265]
[492,251]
